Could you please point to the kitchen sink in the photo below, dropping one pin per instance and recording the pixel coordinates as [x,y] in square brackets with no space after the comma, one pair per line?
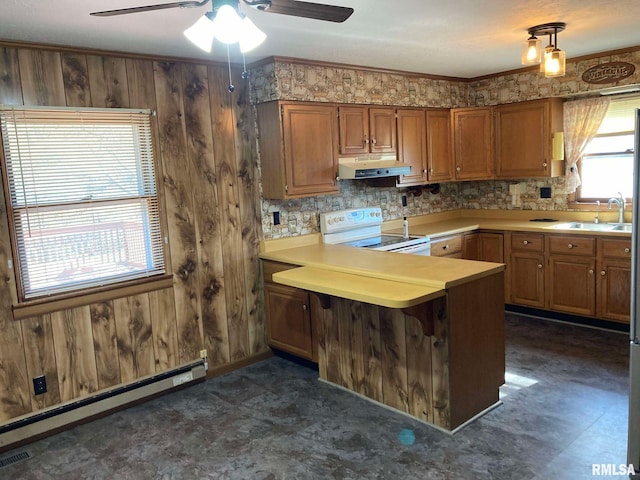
[606,227]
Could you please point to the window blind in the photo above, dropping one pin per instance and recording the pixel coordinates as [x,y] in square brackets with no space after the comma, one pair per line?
[620,116]
[83,197]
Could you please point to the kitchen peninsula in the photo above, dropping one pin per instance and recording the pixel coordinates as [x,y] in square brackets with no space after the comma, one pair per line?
[422,335]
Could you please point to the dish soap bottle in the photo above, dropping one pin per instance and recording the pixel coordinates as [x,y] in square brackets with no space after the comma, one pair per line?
[405,228]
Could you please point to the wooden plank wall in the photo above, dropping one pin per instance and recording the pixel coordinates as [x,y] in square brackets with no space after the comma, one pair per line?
[383,354]
[205,145]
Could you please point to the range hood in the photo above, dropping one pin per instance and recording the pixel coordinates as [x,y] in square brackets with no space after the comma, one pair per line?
[370,167]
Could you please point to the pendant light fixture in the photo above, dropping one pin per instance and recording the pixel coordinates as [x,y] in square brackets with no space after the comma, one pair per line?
[552,60]
[228,25]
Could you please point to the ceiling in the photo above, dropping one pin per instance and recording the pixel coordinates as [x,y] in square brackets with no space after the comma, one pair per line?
[459,38]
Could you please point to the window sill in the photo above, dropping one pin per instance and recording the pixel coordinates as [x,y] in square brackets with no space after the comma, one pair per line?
[42,306]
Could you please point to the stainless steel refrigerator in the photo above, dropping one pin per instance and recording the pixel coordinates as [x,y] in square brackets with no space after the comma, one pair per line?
[633,449]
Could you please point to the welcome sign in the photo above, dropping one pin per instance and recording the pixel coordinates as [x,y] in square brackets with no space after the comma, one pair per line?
[609,72]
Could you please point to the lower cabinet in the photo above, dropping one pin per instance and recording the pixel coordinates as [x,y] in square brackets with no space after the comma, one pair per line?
[577,274]
[483,246]
[290,315]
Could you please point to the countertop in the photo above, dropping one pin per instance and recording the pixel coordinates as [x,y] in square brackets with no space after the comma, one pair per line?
[435,272]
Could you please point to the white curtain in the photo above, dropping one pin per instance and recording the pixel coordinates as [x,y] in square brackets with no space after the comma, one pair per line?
[582,119]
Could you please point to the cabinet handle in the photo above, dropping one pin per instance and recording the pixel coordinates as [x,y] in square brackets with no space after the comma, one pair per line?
[525,242]
[431,171]
[424,171]
[366,141]
[571,245]
[444,247]
[457,169]
[627,250]
[544,165]
[373,141]
[304,306]
[603,273]
[540,266]
[590,271]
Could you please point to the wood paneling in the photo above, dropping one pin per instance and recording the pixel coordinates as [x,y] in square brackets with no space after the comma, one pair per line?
[210,201]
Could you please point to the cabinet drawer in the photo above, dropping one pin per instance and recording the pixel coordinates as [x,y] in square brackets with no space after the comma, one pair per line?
[615,247]
[446,246]
[529,242]
[269,268]
[572,245]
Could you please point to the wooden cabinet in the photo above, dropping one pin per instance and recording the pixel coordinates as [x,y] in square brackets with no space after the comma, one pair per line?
[298,149]
[440,166]
[526,270]
[614,279]
[571,274]
[483,246]
[524,139]
[412,145]
[449,246]
[290,315]
[472,143]
[367,130]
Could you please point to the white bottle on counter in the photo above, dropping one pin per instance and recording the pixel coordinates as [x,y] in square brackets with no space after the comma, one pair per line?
[405,228]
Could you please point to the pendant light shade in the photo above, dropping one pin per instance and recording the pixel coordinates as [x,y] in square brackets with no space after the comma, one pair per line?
[227,24]
[201,33]
[555,63]
[250,35]
[531,51]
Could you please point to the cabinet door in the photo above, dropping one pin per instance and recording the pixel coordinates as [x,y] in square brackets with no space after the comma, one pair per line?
[439,158]
[412,145]
[288,319]
[614,290]
[470,246]
[524,137]
[491,247]
[527,279]
[382,130]
[310,139]
[571,283]
[472,133]
[354,130]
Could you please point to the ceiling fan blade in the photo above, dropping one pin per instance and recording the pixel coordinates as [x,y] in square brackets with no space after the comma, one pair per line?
[148,8]
[317,11]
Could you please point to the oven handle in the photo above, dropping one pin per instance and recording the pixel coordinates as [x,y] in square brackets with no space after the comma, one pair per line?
[422,248]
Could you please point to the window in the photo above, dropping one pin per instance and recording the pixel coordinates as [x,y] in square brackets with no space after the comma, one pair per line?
[606,167]
[82,197]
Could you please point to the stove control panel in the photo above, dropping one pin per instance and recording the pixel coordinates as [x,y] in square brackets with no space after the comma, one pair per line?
[341,220]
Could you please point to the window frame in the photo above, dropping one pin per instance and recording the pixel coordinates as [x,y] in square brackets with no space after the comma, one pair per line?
[86,294]
[576,200]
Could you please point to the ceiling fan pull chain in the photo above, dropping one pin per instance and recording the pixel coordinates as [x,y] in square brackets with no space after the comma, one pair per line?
[231,87]
[245,74]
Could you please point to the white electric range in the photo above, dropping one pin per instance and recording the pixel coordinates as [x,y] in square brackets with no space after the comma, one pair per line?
[362,227]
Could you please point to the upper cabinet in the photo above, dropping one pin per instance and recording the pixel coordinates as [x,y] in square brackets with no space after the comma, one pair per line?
[440,166]
[298,149]
[412,145]
[524,139]
[472,143]
[367,130]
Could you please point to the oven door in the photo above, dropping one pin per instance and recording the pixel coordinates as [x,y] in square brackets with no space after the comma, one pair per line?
[419,249]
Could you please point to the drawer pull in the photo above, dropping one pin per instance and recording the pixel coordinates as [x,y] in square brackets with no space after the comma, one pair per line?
[627,250]
[525,242]
[571,245]
[603,272]
[444,247]
[304,306]
[540,265]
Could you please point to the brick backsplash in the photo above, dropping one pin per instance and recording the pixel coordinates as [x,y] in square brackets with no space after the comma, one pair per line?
[288,80]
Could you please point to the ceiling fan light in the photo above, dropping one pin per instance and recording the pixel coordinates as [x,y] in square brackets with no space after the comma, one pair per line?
[201,33]
[555,64]
[250,35]
[531,51]
[227,24]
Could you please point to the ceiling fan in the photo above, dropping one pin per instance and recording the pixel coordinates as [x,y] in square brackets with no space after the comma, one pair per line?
[316,11]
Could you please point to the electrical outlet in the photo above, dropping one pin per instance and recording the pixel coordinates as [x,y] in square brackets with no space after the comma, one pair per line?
[276,218]
[404,200]
[203,354]
[545,192]
[39,385]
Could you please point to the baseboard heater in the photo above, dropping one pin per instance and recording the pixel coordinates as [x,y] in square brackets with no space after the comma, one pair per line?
[60,416]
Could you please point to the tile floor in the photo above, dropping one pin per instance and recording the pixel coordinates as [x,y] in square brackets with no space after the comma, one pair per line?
[565,408]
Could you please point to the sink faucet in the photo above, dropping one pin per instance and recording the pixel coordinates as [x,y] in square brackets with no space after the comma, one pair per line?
[621,204]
